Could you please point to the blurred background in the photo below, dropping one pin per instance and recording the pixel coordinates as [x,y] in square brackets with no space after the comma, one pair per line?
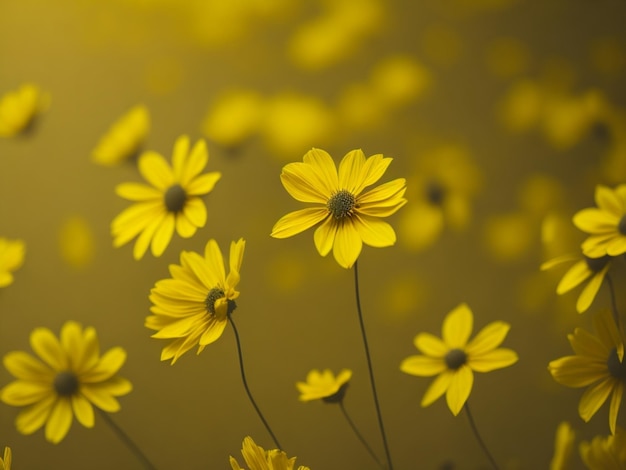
[503,115]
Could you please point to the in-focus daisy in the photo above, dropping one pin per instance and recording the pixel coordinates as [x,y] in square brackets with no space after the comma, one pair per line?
[11,258]
[5,463]
[323,385]
[257,458]
[348,216]
[19,108]
[192,307]
[455,358]
[605,453]
[124,139]
[69,379]
[170,202]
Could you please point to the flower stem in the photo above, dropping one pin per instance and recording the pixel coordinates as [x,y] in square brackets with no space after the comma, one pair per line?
[245,384]
[369,367]
[609,282]
[358,434]
[126,440]
[478,438]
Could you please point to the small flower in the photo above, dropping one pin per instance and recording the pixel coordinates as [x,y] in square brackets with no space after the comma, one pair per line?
[454,358]
[5,463]
[605,453]
[11,258]
[563,447]
[19,108]
[68,381]
[605,224]
[124,138]
[597,363]
[324,385]
[192,307]
[171,201]
[348,217]
[258,458]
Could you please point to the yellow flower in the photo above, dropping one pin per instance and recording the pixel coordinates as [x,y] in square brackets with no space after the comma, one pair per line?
[605,224]
[76,242]
[124,138]
[68,381]
[348,217]
[5,463]
[598,363]
[258,458]
[563,447]
[11,258]
[454,358]
[605,453]
[19,108]
[171,201]
[192,307]
[585,268]
[324,385]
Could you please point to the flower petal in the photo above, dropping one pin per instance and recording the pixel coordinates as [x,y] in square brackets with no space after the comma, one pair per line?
[155,170]
[591,289]
[492,360]
[24,366]
[34,417]
[22,393]
[203,184]
[302,184]
[322,164]
[59,421]
[594,397]
[457,327]
[596,221]
[213,331]
[577,371]
[196,162]
[350,170]
[48,348]
[109,364]
[373,169]
[430,345]
[574,276]
[195,211]
[83,410]
[348,244]
[490,337]
[298,221]
[438,387]
[138,192]
[324,236]
[163,235]
[459,389]
[616,400]
[608,200]
[423,366]
[375,232]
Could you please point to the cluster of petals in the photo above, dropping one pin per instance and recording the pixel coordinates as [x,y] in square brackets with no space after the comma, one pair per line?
[257,458]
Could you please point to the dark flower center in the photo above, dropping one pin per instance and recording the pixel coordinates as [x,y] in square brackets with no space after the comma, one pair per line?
[616,368]
[175,198]
[341,204]
[213,296]
[66,383]
[597,264]
[455,359]
[621,226]
[435,193]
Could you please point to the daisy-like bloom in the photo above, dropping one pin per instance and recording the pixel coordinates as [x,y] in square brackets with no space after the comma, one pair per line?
[69,379]
[124,138]
[19,108]
[323,385]
[5,463]
[11,258]
[598,363]
[584,269]
[605,224]
[257,458]
[563,447]
[347,216]
[171,201]
[192,307]
[455,358]
[605,453]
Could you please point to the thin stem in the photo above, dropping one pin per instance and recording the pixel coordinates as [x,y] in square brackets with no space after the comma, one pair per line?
[245,384]
[126,440]
[609,282]
[358,434]
[478,438]
[369,367]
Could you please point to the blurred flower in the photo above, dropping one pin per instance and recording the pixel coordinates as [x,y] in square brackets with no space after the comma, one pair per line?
[605,224]
[605,453]
[76,242]
[68,381]
[19,108]
[348,216]
[11,258]
[258,458]
[324,385]
[508,236]
[563,447]
[170,202]
[5,463]
[399,79]
[521,107]
[124,138]
[192,307]
[598,362]
[454,358]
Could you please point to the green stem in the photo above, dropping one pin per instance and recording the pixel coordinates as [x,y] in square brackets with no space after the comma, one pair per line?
[478,438]
[359,435]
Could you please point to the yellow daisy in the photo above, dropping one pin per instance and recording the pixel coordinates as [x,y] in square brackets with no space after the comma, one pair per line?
[258,458]
[5,463]
[68,381]
[605,453]
[347,216]
[170,202]
[605,224]
[455,358]
[19,108]
[192,307]
[11,258]
[597,363]
[324,385]
[124,138]
[592,269]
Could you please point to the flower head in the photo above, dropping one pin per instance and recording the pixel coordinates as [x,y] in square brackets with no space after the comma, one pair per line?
[455,358]
[19,108]
[192,307]
[11,258]
[172,200]
[5,463]
[598,363]
[124,138]
[605,453]
[348,216]
[258,458]
[68,380]
[324,385]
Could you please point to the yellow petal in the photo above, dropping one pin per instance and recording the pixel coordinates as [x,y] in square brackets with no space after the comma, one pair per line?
[492,360]
[574,276]
[385,195]
[488,338]
[48,348]
[373,169]
[109,364]
[197,160]
[350,170]
[608,200]
[34,417]
[298,221]
[595,221]
[606,329]
[437,388]
[213,331]
[457,327]
[83,410]
[24,366]
[215,261]
[156,170]
[203,184]
[305,185]
[163,235]
[22,393]
[558,260]
[594,397]
[423,366]
[374,232]
[137,192]
[348,244]
[591,289]
[145,237]
[100,396]
[616,400]
[324,236]
[459,389]
[184,227]
[576,371]
[195,211]
[431,345]
[617,246]
[322,164]
[59,421]
[236,254]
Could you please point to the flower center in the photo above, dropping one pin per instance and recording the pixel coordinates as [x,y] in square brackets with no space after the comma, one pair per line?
[66,383]
[621,226]
[213,296]
[616,368]
[435,193]
[455,359]
[596,264]
[341,204]
[175,198]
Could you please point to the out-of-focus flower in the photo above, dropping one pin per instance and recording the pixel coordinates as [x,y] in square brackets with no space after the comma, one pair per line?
[69,379]
[11,258]
[76,242]
[20,107]
[171,202]
[563,447]
[5,463]
[347,215]
[454,359]
[258,458]
[521,107]
[323,385]
[399,79]
[598,363]
[192,307]
[605,453]
[124,138]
